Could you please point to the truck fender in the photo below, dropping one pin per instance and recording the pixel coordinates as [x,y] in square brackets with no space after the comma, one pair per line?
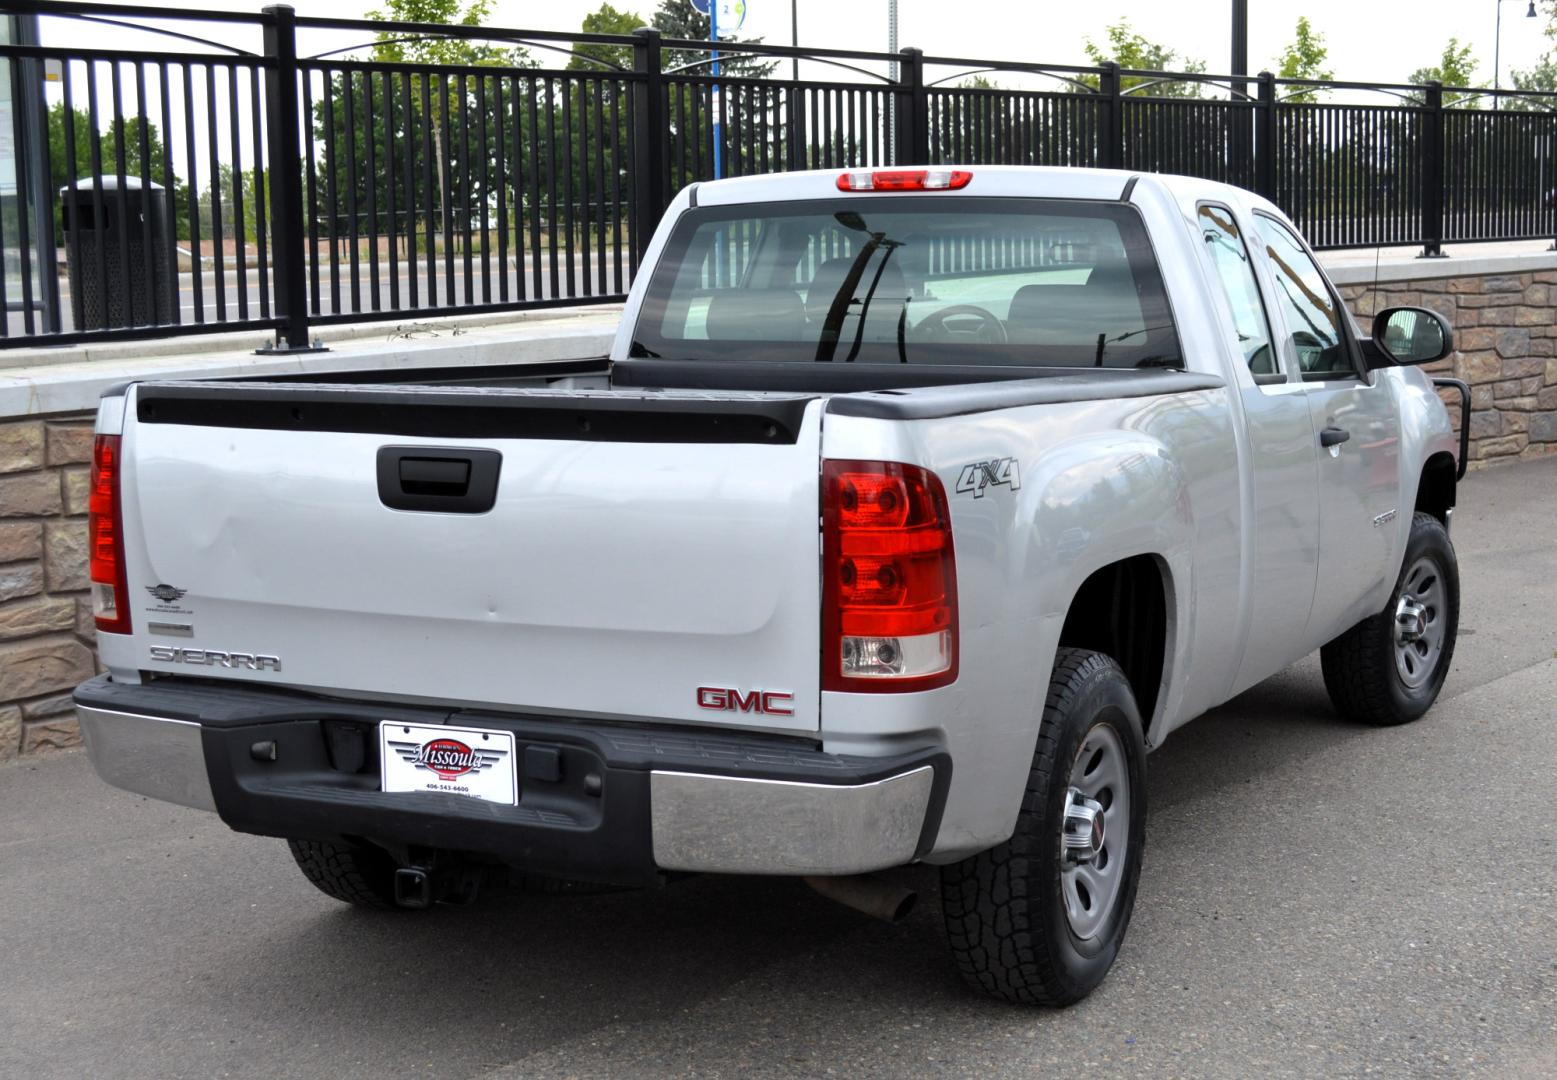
[1093,502]
[1425,431]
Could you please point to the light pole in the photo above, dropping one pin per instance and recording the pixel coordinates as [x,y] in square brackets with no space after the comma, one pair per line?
[1241,38]
[794,37]
[1497,47]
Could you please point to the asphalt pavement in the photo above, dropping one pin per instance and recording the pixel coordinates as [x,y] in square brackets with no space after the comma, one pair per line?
[1318,899]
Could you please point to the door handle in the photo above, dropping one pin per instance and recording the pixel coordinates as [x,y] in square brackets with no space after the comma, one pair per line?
[1333,436]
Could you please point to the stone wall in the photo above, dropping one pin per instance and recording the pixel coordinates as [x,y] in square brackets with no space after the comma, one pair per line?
[45,611]
[1505,331]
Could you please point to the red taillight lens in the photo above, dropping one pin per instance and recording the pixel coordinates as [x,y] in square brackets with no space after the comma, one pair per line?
[105,537]
[889,590]
[904,180]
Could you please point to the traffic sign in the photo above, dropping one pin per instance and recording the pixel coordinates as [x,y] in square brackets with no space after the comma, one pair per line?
[732,13]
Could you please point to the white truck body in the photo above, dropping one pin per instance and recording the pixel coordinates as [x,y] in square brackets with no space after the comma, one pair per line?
[616,579]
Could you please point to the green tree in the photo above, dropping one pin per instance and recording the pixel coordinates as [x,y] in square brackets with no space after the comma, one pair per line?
[1541,78]
[1134,51]
[1304,58]
[430,50]
[607,20]
[1457,67]
[80,134]
[435,51]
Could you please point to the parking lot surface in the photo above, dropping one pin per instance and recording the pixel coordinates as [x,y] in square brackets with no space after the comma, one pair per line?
[1318,899]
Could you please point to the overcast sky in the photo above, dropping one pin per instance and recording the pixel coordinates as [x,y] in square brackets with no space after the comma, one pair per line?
[1369,40]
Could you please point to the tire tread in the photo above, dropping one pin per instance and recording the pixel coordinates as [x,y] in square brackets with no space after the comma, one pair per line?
[351,875]
[1357,664]
[996,941]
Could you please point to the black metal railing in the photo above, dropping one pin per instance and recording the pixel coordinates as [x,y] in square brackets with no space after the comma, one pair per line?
[220,171]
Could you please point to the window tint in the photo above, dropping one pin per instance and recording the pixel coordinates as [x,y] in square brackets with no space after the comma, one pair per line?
[1312,312]
[911,280]
[1230,256]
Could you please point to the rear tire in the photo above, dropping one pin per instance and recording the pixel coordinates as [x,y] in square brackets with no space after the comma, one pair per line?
[1383,671]
[354,874]
[1019,925]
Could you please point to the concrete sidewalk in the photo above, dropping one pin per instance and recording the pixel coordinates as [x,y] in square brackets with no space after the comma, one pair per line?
[1319,900]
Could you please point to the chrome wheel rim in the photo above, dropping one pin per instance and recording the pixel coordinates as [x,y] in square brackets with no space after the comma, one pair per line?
[1095,832]
[1420,618]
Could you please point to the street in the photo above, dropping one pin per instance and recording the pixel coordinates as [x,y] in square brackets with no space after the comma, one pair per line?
[1318,899]
[521,285]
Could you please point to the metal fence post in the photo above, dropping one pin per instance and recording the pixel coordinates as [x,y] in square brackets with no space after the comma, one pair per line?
[912,109]
[1265,137]
[649,134]
[290,272]
[796,156]
[1432,174]
[1111,131]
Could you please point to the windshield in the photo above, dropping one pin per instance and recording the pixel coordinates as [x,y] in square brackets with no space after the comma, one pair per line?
[912,280]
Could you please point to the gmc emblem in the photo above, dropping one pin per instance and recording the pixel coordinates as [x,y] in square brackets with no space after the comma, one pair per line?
[766,702]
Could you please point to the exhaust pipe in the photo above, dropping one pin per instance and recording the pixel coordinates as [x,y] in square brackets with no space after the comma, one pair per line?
[867,893]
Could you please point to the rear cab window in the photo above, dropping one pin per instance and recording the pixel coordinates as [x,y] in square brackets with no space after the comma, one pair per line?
[911,280]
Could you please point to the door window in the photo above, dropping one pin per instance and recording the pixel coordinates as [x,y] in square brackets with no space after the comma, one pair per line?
[1313,314]
[1230,256]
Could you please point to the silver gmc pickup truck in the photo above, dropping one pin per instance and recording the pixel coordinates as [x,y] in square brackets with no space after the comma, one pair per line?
[910,510]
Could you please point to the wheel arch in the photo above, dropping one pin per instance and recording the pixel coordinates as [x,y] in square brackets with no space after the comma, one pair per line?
[1436,486]
[1126,610]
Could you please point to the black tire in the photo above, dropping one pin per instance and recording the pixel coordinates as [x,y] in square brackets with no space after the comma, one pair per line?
[1362,675]
[353,874]
[1005,913]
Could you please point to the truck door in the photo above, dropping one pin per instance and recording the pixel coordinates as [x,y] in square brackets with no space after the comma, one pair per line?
[1283,460]
[1357,438]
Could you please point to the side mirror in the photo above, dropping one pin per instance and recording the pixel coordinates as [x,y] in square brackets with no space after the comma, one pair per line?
[1410,335]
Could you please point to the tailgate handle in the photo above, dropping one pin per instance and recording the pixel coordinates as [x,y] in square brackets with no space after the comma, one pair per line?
[434,476]
[438,479]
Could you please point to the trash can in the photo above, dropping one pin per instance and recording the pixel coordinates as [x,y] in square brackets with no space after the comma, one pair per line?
[111,297]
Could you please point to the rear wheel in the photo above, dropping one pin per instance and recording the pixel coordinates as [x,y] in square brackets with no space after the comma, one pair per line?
[1038,919]
[351,873]
[1389,668]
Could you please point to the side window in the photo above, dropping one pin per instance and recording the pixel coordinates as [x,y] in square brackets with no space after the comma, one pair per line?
[1230,256]
[1313,314]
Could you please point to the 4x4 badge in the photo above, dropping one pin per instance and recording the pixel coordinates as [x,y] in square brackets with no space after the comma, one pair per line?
[981,474]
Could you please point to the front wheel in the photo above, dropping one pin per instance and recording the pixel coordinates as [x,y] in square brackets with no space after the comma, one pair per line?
[1389,668]
[1038,919]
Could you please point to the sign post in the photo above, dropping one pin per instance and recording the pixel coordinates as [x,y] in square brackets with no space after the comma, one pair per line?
[734,14]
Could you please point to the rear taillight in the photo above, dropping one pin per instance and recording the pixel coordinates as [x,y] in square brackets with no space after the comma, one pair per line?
[889,590]
[904,180]
[105,532]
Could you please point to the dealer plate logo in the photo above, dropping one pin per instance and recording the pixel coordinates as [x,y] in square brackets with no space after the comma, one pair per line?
[449,758]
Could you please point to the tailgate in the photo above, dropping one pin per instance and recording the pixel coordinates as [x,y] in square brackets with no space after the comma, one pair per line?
[636,548]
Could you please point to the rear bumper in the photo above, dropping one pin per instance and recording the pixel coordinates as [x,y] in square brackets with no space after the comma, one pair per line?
[602,802]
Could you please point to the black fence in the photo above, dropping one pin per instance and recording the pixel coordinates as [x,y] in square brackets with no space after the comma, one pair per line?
[255,182]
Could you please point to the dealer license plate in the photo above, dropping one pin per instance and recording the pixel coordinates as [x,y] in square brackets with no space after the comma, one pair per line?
[456,761]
